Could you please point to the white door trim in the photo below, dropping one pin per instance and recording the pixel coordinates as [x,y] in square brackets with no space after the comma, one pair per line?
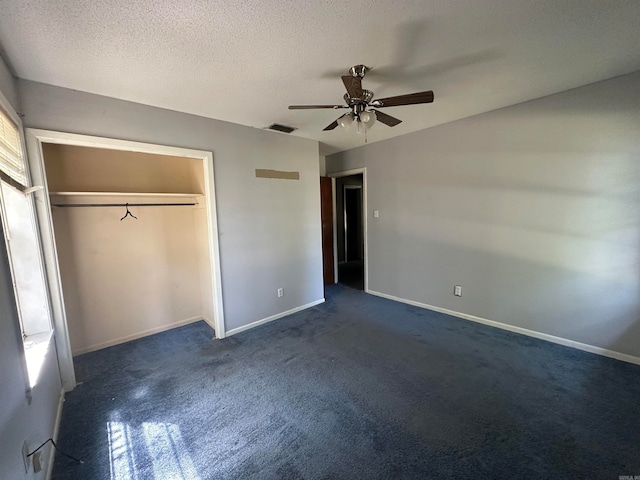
[346,173]
[35,138]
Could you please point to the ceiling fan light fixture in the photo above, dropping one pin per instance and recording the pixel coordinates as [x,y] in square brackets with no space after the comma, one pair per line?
[345,121]
[368,118]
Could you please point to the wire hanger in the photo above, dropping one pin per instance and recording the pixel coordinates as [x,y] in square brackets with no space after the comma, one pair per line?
[128,214]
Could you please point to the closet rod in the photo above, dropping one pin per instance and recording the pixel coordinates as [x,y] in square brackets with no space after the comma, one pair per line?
[123,204]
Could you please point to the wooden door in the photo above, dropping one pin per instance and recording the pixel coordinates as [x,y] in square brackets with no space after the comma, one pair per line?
[326,214]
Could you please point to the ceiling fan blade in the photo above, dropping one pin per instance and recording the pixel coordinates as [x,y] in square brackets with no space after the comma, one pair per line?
[332,125]
[305,107]
[386,119]
[353,85]
[408,99]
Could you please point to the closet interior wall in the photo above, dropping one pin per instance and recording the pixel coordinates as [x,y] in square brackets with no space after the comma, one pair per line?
[124,279]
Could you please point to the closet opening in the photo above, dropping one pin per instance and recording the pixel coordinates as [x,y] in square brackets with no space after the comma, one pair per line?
[129,237]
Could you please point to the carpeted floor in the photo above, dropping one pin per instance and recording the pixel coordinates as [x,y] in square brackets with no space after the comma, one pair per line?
[356,388]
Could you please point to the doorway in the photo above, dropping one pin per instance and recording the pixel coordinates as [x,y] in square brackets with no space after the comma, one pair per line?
[351,251]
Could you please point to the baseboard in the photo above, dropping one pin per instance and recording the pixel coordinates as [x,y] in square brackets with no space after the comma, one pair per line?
[56,430]
[512,328]
[208,322]
[135,336]
[273,317]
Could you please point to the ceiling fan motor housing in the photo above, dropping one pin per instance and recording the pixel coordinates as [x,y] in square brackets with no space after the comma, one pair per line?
[366,97]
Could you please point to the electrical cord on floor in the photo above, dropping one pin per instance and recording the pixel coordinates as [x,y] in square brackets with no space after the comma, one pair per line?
[56,447]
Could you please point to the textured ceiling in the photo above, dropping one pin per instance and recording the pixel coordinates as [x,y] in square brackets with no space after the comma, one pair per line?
[245,61]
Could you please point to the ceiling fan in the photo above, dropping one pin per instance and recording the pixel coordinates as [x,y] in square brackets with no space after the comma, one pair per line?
[361,103]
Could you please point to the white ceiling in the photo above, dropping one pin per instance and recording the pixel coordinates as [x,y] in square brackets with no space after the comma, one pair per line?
[245,61]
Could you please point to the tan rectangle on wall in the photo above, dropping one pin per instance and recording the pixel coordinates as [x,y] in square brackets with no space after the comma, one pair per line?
[262,173]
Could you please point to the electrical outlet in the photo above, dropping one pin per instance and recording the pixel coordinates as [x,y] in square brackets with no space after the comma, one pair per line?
[280,292]
[25,452]
[457,290]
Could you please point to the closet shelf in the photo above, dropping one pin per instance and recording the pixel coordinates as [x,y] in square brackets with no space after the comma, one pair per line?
[127,194]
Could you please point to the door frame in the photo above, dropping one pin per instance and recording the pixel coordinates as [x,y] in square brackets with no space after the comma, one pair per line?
[347,173]
[34,139]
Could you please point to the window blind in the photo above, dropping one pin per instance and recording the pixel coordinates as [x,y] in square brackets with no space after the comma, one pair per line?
[11,157]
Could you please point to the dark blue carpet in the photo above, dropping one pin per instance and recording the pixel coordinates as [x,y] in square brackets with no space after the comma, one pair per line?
[357,388]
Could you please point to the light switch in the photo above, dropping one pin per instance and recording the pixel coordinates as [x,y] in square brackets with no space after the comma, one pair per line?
[376,213]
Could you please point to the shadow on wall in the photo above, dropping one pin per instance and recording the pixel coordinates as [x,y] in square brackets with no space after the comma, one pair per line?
[569,242]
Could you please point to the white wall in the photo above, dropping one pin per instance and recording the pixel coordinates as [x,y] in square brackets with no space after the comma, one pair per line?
[534,209]
[20,421]
[269,229]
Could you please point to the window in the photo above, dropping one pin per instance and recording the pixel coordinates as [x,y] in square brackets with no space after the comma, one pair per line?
[11,157]
[23,246]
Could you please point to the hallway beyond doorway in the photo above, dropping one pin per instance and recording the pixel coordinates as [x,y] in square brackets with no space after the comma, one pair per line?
[351,274]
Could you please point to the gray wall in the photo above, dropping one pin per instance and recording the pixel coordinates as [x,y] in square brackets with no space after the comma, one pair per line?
[269,228]
[8,86]
[20,421]
[534,209]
